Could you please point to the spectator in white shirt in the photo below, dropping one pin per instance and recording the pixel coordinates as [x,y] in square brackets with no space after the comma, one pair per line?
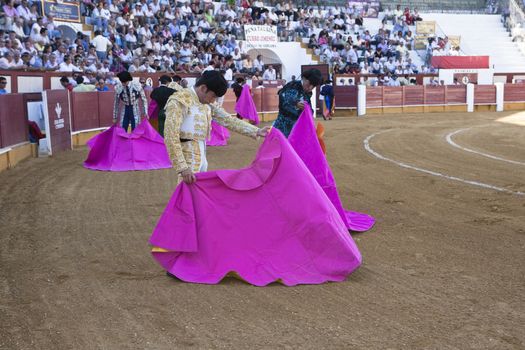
[351,56]
[185,10]
[258,63]
[104,67]
[3,48]
[200,35]
[24,12]
[237,58]
[169,47]
[155,6]
[269,73]
[123,21]
[138,11]
[53,32]
[131,39]
[67,66]
[101,44]
[41,40]
[18,28]
[149,15]
[6,62]
[52,63]
[228,74]
[35,29]
[101,16]
[113,8]
[135,67]
[126,56]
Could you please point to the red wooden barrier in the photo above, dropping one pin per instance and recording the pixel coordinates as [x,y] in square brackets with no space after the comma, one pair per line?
[392,96]
[374,96]
[434,95]
[456,94]
[13,120]
[105,108]
[484,94]
[414,95]
[514,93]
[345,96]
[257,99]
[270,100]
[85,110]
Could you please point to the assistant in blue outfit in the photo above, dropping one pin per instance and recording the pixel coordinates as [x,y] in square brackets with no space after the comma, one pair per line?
[292,98]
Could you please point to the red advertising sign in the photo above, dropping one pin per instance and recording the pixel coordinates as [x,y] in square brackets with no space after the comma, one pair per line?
[58,120]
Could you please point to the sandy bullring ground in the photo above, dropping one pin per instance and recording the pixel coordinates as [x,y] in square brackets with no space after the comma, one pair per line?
[444,267]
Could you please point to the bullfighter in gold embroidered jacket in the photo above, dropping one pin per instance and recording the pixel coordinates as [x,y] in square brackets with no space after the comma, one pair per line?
[189,113]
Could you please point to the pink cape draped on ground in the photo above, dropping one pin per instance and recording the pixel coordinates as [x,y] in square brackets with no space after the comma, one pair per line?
[268,222]
[245,106]
[219,135]
[116,150]
[303,139]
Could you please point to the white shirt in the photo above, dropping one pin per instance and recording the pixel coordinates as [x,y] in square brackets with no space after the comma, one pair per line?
[228,75]
[201,36]
[35,30]
[138,13]
[24,12]
[51,65]
[101,43]
[258,64]
[64,67]
[130,38]
[5,64]
[122,22]
[269,74]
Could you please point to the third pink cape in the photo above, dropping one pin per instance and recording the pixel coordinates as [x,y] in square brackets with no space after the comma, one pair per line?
[268,222]
[303,139]
[245,105]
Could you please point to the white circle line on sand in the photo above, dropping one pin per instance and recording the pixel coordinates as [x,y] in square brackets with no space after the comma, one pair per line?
[452,143]
[366,144]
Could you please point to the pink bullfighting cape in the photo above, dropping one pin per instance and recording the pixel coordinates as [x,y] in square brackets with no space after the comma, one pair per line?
[116,150]
[268,222]
[245,106]
[219,135]
[303,139]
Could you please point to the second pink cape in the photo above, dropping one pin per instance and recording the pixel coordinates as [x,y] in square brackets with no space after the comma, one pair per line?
[116,150]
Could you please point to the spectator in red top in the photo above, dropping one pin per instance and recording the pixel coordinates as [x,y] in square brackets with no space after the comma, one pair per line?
[64,81]
[408,16]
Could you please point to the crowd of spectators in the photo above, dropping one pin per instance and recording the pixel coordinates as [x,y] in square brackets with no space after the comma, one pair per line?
[135,35]
[340,37]
[191,36]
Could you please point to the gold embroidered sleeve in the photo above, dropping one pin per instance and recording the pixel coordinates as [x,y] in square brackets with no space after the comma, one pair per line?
[174,119]
[233,123]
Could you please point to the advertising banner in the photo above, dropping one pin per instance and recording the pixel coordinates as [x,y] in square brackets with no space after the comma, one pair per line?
[261,37]
[62,10]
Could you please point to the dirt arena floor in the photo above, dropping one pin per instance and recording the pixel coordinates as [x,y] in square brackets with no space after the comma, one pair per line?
[444,267]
